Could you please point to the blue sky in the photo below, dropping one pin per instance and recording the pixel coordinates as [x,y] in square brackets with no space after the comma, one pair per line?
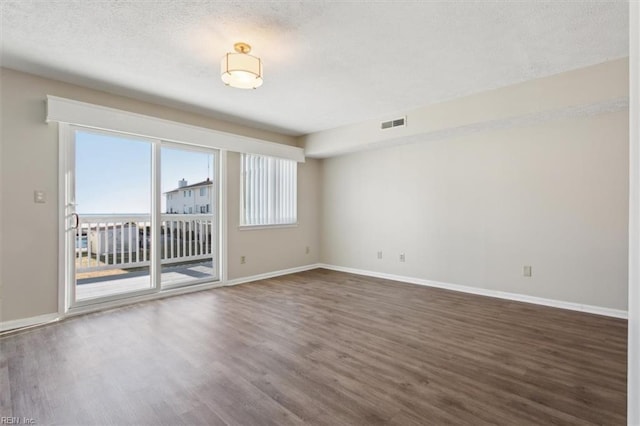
[113,173]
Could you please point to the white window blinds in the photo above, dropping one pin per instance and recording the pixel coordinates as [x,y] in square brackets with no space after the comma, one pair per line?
[269,190]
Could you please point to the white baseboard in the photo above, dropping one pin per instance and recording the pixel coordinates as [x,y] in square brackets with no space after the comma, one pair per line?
[42,319]
[273,274]
[28,322]
[598,310]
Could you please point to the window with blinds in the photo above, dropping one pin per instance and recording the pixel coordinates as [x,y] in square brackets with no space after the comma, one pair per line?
[269,191]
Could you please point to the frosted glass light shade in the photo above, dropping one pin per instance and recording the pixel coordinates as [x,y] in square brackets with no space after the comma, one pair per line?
[241,70]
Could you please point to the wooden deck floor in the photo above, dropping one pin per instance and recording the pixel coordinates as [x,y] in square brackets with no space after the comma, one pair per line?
[320,347]
[90,288]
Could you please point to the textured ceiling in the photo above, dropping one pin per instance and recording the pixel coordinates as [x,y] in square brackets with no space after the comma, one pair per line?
[326,64]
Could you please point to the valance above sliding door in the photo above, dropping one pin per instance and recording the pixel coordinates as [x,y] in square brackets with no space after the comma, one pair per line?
[103,118]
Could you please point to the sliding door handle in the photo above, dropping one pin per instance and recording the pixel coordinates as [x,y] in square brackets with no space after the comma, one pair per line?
[76,220]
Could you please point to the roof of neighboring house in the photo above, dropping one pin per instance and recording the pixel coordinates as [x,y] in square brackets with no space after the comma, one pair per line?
[203,183]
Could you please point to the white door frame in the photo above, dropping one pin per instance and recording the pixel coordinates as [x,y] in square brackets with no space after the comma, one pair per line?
[68,146]
[67,305]
[215,207]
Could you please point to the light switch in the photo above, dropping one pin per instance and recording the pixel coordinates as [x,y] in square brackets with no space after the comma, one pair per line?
[39,197]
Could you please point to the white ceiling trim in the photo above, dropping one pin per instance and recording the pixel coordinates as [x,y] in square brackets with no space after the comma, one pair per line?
[70,111]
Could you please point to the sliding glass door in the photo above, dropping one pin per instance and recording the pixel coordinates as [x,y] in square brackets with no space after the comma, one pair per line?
[189,225]
[141,215]
[112,218]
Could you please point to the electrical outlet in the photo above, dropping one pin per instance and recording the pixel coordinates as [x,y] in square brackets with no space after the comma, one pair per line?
[307,250]
[243,259]
[379,255]
[526,271]
[39,197]
[402,257]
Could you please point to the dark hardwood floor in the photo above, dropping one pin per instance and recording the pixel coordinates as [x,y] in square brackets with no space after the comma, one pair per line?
[319,347]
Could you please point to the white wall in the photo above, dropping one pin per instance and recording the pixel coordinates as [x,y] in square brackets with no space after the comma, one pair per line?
[29,244]
[1,198]
[474,209]
[633,364]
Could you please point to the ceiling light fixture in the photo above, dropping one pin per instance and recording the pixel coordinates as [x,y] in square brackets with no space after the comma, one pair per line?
[240,69]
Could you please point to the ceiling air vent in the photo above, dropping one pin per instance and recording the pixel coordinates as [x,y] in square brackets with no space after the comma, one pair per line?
[398,122]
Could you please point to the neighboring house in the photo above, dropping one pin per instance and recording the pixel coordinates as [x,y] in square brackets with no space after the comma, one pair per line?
[190,199]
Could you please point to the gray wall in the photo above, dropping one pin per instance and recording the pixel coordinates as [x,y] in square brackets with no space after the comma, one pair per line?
[473,210]
[29,161]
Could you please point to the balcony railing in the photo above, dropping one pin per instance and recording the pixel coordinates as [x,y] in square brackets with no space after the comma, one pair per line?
[124,241]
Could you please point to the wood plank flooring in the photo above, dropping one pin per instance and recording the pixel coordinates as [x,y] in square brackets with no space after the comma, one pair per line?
[319,347]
